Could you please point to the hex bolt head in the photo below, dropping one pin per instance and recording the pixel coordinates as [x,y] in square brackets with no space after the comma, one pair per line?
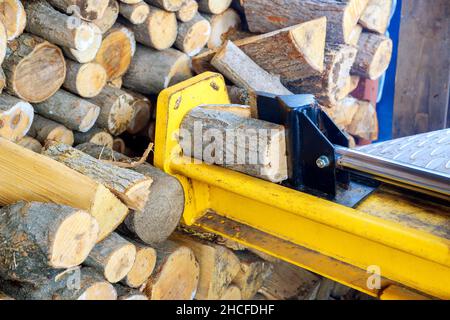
[323,162]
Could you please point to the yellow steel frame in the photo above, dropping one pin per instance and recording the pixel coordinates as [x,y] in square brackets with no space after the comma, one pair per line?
[410,246]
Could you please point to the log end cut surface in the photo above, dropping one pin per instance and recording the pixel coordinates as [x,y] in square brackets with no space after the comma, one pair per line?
[99,291]
[120,263]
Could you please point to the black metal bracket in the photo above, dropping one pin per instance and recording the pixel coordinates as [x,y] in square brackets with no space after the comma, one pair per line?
[311,137]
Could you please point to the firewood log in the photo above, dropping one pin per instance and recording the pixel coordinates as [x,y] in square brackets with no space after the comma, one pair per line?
[125,293]
[131,187]
[239,154]
[214,6]
[119,145]
[113,257]
[143,265]
[364,124]
[168,5]
[13,15]
[351,84]
[376,16]
[72,284]
[342,16]
[136,13]
[116,83]
[328,86]
[16,117]
[343,112]
[3,42]
[87,9]
[109,17]
[70,110]
[45,130]
[30,143]
[221,26]
[163,210]
[176,274]
[218,266]
[52,25]
[2,80]
[88,55]
[158,31]
[152,71]
[37,237]
[193,35]
[116,111]
[252,274]
[95,135]
[28,176]
[242,96]
[374,56]
[232,293]
[142,108]
[86,80]
[355,35]
[116,51]
[188,11]
[35,69]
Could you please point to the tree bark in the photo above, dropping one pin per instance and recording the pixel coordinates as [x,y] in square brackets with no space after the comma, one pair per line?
[168,5]
[142,108]
[87,9]
[35,69]
[131,187]
[16,117]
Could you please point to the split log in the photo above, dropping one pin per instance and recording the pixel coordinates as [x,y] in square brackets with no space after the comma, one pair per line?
[116,111]
[30,144]
[113,257]
[52,25]
[364,124]
[109,18]
[376,16]
[168,5]
[327,87]
[125,293]
[28,176]
[131,187]
[95,135]
[256,148]
[176,274]
[188,11]
[342,16]
[232,293]
[86,9]
[143,265]
[37,237]
[193,35]
[116,51]
[351,84]
[158,31]
[234,64]
[152,71]
[164,207]
[142,108]
[72,284]
[136,13]
[222,25]
[87,80]
[70,110]
[35,69]
[289,282]
[374,56]
[355,35]
[13,16]
[16,117]
[254,271]
[85,56]
[214,6]
[45,130]
[218,266]
[343,112]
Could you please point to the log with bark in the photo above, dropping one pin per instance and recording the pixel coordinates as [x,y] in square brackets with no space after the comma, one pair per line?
[256,148]
[13,16]
[37,237]
[95,135]
[35,69]
[86,9]
[376,16]
[168,5]
[364,124]
[176,274]
[193,35]
[70,110]
[188,11]
[163,210]
[45,130]
[136,13]
[30,143]
[142,108]
[126,293]
[28,176]
[143,265]
[214,6]
[131,187]
[86,80]
[16,117]
[109,17]
[88,55]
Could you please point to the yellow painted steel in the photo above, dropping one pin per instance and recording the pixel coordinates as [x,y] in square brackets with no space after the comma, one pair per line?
[407,240]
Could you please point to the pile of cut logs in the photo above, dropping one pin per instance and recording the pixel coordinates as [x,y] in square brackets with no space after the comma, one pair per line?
[82,219]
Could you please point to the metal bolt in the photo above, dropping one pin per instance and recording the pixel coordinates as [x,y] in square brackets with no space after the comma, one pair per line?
[323,162]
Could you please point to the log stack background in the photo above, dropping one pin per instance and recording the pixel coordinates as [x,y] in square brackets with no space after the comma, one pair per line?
[80,84]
